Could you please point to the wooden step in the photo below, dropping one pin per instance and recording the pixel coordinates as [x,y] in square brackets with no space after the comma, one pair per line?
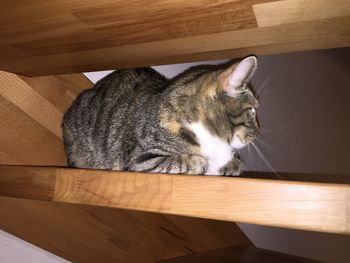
[298,205]
[65,36]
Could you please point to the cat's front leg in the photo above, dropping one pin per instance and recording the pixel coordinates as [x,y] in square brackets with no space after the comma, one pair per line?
[195,164]
[178,164]
[232,168]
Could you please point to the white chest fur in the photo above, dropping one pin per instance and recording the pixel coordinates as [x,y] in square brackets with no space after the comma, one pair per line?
[218,152]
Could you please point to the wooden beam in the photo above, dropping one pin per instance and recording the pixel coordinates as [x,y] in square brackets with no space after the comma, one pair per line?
[238,254]
[31,112]
[85,35]
[91,234]
[298,205]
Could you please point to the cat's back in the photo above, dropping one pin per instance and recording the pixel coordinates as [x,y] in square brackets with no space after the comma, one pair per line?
[120,87]
[98,115]
[132,81]
[128,81]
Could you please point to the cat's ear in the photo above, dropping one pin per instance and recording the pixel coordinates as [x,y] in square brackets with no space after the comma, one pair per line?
[234,77]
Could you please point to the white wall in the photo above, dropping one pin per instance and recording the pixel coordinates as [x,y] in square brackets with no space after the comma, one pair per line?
[15,250]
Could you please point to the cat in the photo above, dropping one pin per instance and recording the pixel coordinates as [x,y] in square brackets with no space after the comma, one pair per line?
[138,120]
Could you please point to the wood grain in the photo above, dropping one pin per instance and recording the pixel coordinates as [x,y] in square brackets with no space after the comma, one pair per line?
[308,206]
[59,90]
[21,95]
[85,35]
[90,234]
[25,140]
[238,254]
[165,19]
[31,111]
[28,184]
[292,11]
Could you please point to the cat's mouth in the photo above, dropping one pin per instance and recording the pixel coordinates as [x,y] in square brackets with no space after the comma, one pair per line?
[241,140]
[250,137]
[237,142]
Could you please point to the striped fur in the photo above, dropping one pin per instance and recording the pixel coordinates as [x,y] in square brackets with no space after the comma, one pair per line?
[137,120]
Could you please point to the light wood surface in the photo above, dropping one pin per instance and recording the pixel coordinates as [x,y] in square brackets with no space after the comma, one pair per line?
[31,111]
[90,234]
[308,206]
[65,36]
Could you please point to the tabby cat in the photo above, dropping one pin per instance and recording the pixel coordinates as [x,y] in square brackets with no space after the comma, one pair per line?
[137,120]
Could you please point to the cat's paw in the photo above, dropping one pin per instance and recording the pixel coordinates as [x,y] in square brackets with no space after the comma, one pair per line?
[233,168]
[196,164]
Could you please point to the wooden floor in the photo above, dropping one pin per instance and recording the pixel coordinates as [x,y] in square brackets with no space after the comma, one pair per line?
[65,36]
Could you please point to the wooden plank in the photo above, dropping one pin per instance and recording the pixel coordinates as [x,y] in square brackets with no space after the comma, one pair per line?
[6,158]
[28,184]
[59,90]
[20,94]
[25,140]
[166,19]
[315,35]
[299,205]
[91,234]
[238,254]
[85,35]
[31,111]
[284,12]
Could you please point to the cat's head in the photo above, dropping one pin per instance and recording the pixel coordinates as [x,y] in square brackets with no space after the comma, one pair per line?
[220,99]
[239,101]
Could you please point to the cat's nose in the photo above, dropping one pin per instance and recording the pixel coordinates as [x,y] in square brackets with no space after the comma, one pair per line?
[255,104]
[253,110]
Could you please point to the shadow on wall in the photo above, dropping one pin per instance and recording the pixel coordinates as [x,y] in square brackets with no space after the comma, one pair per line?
[319,246]
[304,114]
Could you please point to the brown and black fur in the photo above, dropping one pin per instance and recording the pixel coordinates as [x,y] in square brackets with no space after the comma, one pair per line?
[135,119]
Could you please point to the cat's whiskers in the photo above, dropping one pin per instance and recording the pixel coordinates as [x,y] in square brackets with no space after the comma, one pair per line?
[262,157]
[260,154]
[272,130]
[264,83]
[261,161]
[250,154]
[262,96]
[259,89]
[269,146]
